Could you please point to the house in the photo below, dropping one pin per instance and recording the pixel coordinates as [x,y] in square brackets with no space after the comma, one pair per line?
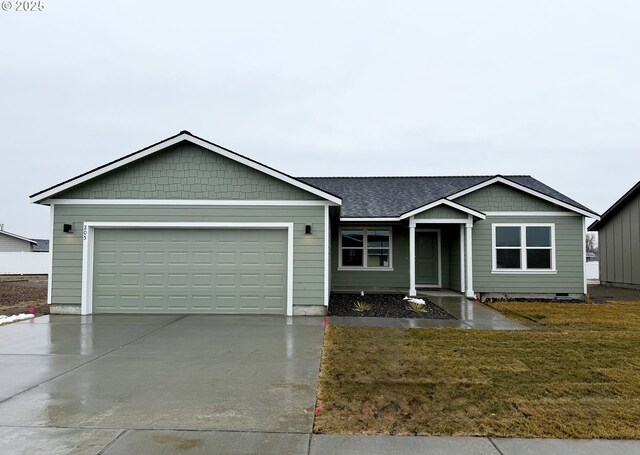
[619,241]
[41,246]
[591,257]
[14,243]
[188,226]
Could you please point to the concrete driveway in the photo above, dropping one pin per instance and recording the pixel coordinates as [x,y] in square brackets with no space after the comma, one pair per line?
[129,384]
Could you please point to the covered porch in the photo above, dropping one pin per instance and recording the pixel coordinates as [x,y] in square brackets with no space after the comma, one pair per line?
[428,249]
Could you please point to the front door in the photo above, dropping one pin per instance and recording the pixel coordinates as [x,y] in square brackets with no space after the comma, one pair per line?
[427,258]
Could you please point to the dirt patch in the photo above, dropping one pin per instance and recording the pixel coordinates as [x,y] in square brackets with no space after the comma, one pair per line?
[381,306]
[18,293]
[603,293]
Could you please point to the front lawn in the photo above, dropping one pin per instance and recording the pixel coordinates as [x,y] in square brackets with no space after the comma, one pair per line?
[575,375]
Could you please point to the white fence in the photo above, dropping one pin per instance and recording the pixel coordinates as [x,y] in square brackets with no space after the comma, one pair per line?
[593,270]
[21,263]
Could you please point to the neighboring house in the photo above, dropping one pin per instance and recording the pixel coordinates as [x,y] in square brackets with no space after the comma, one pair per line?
[42,246]
[187,226]
[592,257]
[13,243]
[619,241]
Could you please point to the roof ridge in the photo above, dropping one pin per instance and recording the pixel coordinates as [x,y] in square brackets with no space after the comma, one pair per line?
[414,176]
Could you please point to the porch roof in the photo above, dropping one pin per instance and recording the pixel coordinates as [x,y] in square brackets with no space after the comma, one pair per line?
[392,197]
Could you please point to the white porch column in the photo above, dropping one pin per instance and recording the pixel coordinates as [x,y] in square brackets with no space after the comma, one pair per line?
[412,257]
[469,288]
[462,254]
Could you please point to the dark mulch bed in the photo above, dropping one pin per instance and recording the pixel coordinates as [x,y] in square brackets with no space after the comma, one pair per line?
[382,306]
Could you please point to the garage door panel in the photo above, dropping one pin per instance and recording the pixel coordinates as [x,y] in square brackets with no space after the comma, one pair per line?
[152,280]
[250,258]
[203,257]
[190,270]
[202,280]
[274,280]
[129,280]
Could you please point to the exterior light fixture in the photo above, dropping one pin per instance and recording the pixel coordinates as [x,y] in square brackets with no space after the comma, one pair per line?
[67,228]
[307,229]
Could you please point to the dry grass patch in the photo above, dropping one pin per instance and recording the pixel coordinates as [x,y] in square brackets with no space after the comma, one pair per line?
[577,375]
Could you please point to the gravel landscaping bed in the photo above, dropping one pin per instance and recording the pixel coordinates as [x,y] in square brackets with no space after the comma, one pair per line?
[382,306]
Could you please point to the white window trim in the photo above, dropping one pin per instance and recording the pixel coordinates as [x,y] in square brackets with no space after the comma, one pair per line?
[364,267]
[523,270]
[88,246]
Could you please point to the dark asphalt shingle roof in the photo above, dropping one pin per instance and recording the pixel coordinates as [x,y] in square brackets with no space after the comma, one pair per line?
[42,246]
[382,197]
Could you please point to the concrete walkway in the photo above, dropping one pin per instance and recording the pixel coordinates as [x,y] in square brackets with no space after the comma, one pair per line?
[468,314]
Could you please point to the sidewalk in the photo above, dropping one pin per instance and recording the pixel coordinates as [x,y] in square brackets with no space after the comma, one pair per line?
[467,314]
[406,445]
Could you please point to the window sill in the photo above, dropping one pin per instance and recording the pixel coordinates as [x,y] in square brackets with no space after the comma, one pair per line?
[524,272]
[365,269]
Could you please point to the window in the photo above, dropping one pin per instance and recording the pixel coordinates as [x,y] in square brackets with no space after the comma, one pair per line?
[365,248]
[523,247]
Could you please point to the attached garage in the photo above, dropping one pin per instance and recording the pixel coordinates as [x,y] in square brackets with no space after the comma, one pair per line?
[186,226]
[189,270]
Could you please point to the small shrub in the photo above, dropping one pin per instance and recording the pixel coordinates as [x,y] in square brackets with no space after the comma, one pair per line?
[361,307]
[416,307]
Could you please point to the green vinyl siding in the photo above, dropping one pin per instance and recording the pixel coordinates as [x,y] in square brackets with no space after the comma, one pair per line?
[619,245]
[569,259]
[399,276]
[308,250]
[442,212]
[502,198]
[372,279]
[186,171]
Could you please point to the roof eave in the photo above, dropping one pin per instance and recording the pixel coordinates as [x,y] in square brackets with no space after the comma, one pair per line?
[610,211]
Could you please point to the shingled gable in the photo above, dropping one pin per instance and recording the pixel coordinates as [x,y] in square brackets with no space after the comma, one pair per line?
[42,196]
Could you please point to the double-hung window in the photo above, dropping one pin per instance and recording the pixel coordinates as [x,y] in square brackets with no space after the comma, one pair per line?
[368,248]
[524,248]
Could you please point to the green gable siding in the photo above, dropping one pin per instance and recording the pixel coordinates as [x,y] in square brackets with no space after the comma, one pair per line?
[499,197]
[619,244]
[569,259]
[186,171]
[442,212]
[308,256]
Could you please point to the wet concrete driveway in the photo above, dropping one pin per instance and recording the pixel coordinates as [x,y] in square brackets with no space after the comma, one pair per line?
[126,384]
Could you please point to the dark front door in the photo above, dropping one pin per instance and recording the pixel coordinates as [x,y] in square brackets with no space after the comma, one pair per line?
[427,261]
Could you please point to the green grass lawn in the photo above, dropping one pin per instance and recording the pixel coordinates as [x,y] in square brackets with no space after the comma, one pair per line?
[576,374]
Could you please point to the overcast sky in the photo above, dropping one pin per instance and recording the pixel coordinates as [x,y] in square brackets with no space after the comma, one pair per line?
[547,88]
